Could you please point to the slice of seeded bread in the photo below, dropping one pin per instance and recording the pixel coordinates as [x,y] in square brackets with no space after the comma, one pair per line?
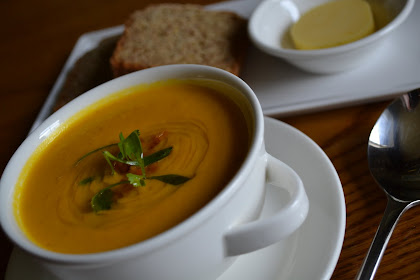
[180,33]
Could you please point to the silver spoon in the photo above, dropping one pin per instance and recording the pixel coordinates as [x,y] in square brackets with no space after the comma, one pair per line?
[394,161]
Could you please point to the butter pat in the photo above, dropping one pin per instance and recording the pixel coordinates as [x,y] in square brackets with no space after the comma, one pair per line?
[332,24]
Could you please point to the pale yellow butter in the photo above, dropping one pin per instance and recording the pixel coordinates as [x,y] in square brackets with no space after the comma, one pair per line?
[333,24]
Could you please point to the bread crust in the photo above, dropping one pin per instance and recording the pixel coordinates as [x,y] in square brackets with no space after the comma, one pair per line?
[164,34]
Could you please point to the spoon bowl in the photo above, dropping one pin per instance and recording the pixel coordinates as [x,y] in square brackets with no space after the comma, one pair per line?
[394,161]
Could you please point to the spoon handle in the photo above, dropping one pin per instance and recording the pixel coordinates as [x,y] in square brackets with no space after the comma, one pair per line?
[394,210]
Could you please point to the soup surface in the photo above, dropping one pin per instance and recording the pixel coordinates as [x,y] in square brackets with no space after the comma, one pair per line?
[205,131]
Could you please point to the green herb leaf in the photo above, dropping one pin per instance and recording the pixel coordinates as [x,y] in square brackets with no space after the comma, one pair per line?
[135,180]
[102,200]
[131,149]
[87,180]
[172,179]
[122,154]
[108,156]
[157,156]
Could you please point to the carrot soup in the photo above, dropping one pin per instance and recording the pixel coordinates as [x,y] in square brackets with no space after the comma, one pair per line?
[132,166]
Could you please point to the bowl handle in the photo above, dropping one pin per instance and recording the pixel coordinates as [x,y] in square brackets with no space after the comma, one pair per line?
[258,234]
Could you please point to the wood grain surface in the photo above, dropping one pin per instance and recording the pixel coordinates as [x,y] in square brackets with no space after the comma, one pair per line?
[37,38]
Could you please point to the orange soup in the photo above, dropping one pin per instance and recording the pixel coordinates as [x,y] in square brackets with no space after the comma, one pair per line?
[88,188]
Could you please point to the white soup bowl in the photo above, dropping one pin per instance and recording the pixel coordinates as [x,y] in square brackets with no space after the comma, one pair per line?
[202,246]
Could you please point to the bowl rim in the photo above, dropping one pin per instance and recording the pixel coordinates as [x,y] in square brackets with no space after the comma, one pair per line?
[8,180]
[294,53]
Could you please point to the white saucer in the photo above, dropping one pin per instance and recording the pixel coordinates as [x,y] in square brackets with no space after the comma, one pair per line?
[311,253]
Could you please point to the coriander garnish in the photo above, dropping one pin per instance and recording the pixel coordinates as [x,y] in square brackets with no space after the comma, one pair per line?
[102,200]
[130,153]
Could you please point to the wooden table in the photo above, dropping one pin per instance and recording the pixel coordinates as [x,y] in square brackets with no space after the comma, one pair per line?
[37,37]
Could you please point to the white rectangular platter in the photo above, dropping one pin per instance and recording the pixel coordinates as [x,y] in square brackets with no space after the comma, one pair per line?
[284,90]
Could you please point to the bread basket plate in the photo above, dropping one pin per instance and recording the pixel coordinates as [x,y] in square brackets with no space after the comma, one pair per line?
[298,256]
[284,90]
